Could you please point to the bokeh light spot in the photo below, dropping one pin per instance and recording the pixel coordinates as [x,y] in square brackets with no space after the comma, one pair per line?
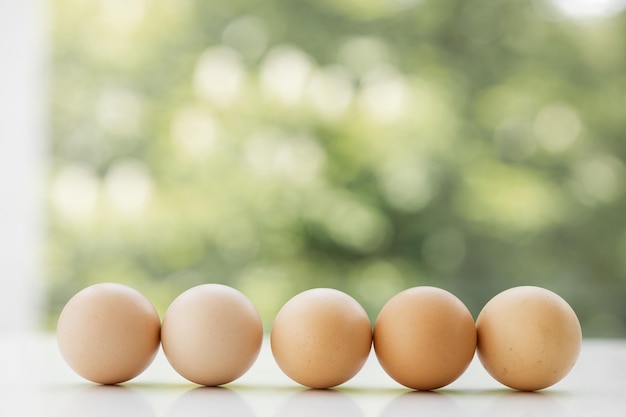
[194,132]
[219,75]
[385,96]
[376,282]
[407,185]
[351,223]
[284,74]
[75,191]
[587,9]
[128,187]
[330,91]
[248,35]
[508,198]
[363,54]
[557,127]
[296,158]
[600,178]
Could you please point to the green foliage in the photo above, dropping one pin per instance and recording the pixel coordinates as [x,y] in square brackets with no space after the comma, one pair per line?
[367,146]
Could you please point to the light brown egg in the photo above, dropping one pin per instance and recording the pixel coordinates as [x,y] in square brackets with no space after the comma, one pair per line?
[211,334]
[528,338]
[424,338]
[108,333]
[321,338]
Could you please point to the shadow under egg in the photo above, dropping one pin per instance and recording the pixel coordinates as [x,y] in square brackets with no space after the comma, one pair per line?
[526,403]
[106,401]
[430,403]
[203,401]
[319,402]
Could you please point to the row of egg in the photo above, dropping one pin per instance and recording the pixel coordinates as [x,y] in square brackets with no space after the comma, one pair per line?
[528,338]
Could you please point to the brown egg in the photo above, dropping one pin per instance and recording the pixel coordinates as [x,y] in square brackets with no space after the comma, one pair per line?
[424,338]
[528,338]
[108,333]
[321,338]
[211,334]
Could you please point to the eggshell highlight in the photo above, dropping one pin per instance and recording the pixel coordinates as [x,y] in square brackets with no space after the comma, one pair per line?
[529,338]
[424,338]
[321,338]
[108,333]
[211,334]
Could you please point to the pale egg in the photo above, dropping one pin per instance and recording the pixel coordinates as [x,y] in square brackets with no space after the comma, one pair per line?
[321,338]
[529,338]
[211,334]
[424,338]
[108,333]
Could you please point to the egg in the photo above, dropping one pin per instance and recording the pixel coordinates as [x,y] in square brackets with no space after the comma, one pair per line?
[321,337]
[108,333]
[211,334]
[424,338]
[529,338]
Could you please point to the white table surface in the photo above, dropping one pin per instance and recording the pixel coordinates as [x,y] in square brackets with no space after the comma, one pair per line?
[36,382]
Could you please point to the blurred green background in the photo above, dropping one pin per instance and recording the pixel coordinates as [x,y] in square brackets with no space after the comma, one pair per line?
[365,145]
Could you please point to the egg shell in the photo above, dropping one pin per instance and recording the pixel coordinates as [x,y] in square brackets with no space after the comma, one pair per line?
[108,333]
[424,337]
[321,338]
[529,338]
[211,334]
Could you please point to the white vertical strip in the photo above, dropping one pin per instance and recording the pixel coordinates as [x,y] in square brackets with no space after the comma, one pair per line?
[22,108]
